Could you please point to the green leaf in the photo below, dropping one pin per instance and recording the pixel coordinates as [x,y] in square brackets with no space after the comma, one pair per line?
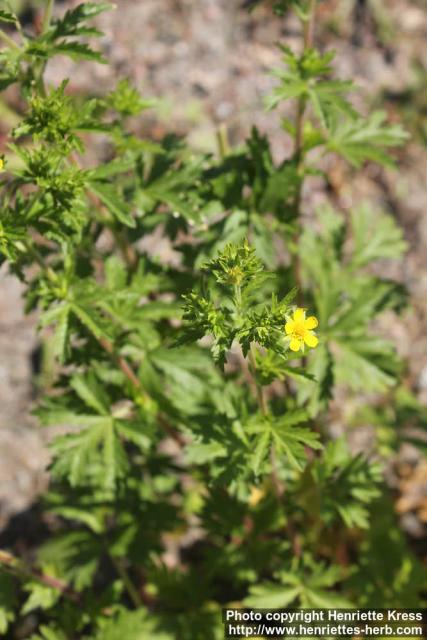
[305,79]
[367,363]
[94,454]
[41,597]
[318,395]
[200,452]
[91,392]
[76,51]
[365,139]
[375,236]
[292,442]
[115,274]
[260,452]
[71,23]
[6,16]
[284,436]
[90,319]
[119,208]
[61,337]
[132,625]
[49,633]
[271,596]
[112,168]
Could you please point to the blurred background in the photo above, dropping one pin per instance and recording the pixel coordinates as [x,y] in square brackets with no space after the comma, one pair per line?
[206,64]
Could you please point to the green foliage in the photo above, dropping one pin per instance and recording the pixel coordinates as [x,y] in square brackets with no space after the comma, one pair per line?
[179,486]
[341,485]
[307,585]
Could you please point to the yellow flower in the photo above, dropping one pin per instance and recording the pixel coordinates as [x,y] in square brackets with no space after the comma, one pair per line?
[299,329]
[1,164]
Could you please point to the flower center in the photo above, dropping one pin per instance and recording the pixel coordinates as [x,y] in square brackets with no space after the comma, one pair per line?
[299,331]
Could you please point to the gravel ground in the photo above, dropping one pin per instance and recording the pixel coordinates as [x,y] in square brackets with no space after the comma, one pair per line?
[207,62]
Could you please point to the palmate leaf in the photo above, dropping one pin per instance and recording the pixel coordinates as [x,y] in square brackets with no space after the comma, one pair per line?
[63,316]
[132,625]
[347,302]
[72,24]
[306,79]
[281,434]
[341,485]
[279,193]
[41,597]
[402,577]
[309,586]
[108,194]
[366,362]
[315,397]
[91,392]
[272,596]
[168,374]
[96,451]
[73,554]
[365,139]
[174,185]
[375,236]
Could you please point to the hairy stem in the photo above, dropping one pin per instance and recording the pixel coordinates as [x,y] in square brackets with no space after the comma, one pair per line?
[262,400]
[41,66]
[18,567]
[308,34]
[222,139]
[47,15]
[8,40]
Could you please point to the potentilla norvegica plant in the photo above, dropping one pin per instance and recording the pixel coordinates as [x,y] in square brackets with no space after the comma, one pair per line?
[194,467]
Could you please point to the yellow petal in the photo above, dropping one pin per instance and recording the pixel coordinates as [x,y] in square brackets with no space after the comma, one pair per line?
[299,315]
[311,340]
[289,326]
[295,344]
[255,496]
[311,323]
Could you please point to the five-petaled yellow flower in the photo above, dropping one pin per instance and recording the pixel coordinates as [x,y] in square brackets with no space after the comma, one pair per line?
[299,329]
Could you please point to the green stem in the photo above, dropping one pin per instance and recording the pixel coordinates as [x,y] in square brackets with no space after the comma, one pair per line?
[263,405]
[38,258]
[129,586]
[238,297]
[8,40]
[41,66]
[308,35]
[17,567]
[262,400]
[222,139]
[47,15]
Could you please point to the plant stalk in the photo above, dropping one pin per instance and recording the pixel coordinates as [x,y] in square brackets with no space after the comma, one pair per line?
[262,400]
[8,40]
[17,566]
[308,35]
[47,15]
[222,139]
